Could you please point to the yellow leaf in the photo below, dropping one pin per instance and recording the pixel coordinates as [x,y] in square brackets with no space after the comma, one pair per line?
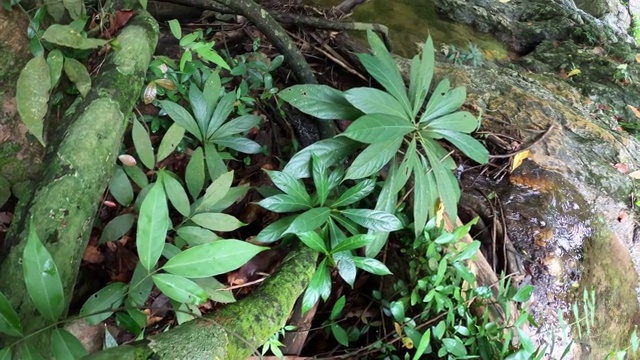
[574,72]
[634,110]
[440,213]
[638,58]
[518,158]
[407,342]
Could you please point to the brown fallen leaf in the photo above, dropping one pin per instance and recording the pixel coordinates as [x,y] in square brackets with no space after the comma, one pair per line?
[92,255]
[622,167]
[634,110]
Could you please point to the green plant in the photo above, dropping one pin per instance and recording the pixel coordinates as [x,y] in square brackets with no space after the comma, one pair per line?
[621,74]
[274,344]
[388,121]
[474,55]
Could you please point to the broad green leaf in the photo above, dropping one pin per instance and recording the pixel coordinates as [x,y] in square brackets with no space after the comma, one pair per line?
[215,192]
[180,289]
[425,340]
[443,101]
[55,60]
[170,141]
[455,347]
[233,195]
[55,8]
[337,308]
[218,257]
[195,235]
[28,352]
[211,91]
[319,286]
[66,346]
[32,95]
[120,187]
[195,174]
[330,151]
[523,294]
[290,185]
[211,55]
[215,290]
[116,228]
[335,177]
[525,341]
[142,143]
[140,286]
[283,203]
[217,221]
[387,77]
[42,278]
[199,107]
[314,241]
[356,193]
[461,121]
[340,334]
[275,230]
[65,35]
[468,252]
[406,167]
[386,202]
[347,224]
[153,224]
[215,165]
[176,30]
[320,101]
[467,144]
[132,320]
[182,117]
[78,74]
[420,75]
[373,219]
[373,159]
[446,183]
[421,204]
[346,267]
[176,194]
[238,143]
[371,265]
[9,321]
[136,174]
[309,220]
[374,101]
[169,251]
[75,8]
[238,125]
[377,128]
[320,179]
[221,113]
[103,303]
[6,353]
[352,243]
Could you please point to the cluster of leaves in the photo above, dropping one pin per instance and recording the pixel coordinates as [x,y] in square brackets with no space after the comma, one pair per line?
[472,55]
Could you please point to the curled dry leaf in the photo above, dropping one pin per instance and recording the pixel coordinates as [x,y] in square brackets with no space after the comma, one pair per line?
[150,93]
[165,83]
[110,204]
[127,160]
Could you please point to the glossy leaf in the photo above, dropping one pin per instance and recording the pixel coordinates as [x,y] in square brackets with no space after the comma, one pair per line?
[238,143]
[283,203]
[384,74]
[356,193]
[42,278]
[346,267]
[65,35]
[195,235]
[116,228]
[319,286]
[238,125]
[32,95]
[120,187]
[320,101]
[373,219]
[371,265]
[443,101]
[55,60]
[374,101]
[314,241]
[176,194]
[66,346]
[275,230]
[182,117]
[352,243]
[153,224]
[218,257]
[102,304]
[199,107]
[290,185]
[9,321]
[320,179]
[329,151]
[447,185]
[420,75]
[195,174]
[309,220]
[170,141]
[373,159]
[347,224]
[78,74]
[217,221]
[176,30]
[377,128]
[142,143]
[180,289]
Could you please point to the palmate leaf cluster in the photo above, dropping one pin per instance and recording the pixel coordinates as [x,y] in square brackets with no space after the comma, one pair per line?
[399,128]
